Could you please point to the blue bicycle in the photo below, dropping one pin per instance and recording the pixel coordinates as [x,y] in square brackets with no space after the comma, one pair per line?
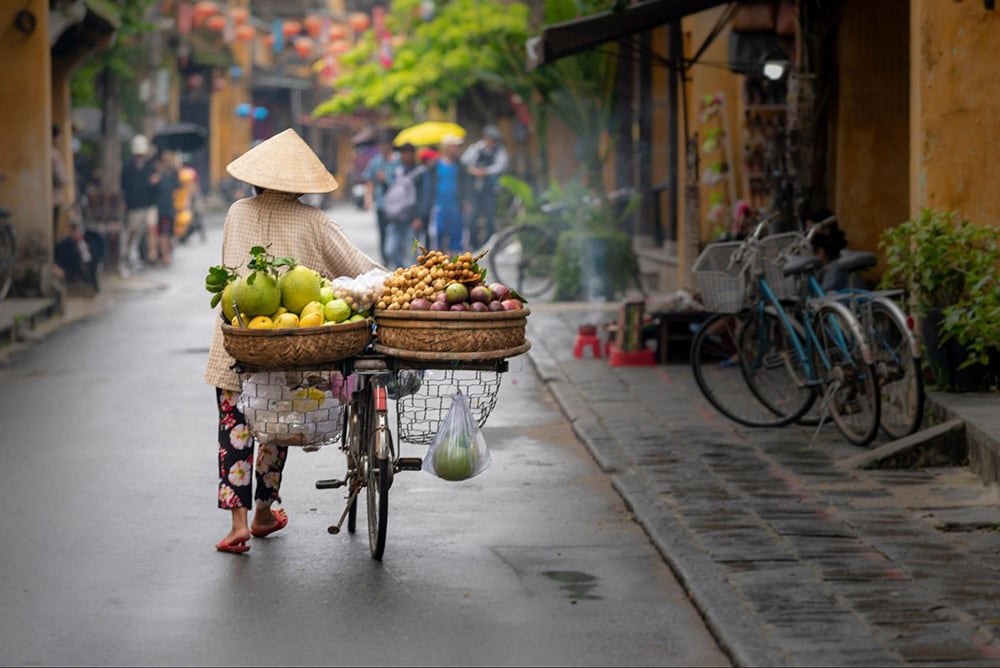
[766,356]
[889,332]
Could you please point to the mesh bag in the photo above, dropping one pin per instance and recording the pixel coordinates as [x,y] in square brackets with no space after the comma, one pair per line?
[783,287]
[294,408]
[722,288]
[420,414]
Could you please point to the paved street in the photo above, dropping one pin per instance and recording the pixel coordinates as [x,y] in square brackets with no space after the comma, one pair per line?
[109,486]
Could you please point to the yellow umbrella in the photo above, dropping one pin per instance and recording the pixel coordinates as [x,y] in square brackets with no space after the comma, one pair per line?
[425,134]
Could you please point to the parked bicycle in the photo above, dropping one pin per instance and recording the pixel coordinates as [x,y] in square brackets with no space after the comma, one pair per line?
[762,363]
[522,253]
[887,328]
[8,250]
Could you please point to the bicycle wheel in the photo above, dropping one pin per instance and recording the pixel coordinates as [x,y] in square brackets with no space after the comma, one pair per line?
[901,385]
[854,402]
[521,259]
[717,368]
[775,371]
[377,484]
[378,476]
[352,440]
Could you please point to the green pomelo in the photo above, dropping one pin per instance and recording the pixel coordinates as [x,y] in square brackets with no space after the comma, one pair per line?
[227,302]
[454,461]
[261,297]
[337,310]
[299,286]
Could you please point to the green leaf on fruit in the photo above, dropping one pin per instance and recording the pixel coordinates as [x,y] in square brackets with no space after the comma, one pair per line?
[216,298]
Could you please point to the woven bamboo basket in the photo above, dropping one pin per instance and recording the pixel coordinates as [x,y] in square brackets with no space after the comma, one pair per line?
[296,347]
[451,331]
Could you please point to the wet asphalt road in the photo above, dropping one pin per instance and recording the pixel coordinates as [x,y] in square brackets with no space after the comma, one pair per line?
[108,489]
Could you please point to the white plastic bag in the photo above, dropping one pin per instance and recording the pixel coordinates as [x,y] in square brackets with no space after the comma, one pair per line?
[362,291]
[459,450]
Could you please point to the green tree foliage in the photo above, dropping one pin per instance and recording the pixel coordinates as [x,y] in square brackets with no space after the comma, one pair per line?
[461,46]
[119,58]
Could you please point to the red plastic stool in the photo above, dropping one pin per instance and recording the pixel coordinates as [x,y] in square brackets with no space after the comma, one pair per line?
[586,337]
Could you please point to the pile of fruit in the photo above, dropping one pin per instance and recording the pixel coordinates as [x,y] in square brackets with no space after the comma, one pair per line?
[269,298]
[442,283]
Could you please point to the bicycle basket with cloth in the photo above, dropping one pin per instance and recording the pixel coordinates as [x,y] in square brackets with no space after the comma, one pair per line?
[294,408]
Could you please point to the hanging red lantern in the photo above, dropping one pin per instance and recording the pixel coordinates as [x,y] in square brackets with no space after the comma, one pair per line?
[359,21]
[245,32]
[269,40]
[313,24]
[339,46]
[337,31]
[290,28]
[239,15]
[202,10]
[216,22]
[303,47]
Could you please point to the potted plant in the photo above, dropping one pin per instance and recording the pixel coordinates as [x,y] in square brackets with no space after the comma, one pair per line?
[951,267]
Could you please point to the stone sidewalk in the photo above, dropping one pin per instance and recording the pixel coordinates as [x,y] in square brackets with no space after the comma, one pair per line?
[792,557]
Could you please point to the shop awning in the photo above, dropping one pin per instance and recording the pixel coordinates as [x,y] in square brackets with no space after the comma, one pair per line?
[569,37]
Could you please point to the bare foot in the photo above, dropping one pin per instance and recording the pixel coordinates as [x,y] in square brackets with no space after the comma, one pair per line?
[237,536]
[267,521]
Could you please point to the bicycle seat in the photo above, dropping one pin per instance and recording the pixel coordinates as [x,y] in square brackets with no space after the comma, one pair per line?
[801,264]
[856,260]
[4,213]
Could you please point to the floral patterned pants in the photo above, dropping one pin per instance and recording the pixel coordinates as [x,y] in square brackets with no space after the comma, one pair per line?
[236,461]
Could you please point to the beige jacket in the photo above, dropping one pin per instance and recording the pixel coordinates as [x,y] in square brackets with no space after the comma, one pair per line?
[292,229]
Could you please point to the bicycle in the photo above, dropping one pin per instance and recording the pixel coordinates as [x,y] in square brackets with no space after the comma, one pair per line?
[8,250]
[522,255]
[368,441]
[888,331]
[785,363]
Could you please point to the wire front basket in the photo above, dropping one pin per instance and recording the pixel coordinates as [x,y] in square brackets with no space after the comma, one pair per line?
[721,284]
[419,414]
[294,408]
[771,247]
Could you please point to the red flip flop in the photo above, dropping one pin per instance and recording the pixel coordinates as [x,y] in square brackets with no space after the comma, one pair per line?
[235,548]
[282,521]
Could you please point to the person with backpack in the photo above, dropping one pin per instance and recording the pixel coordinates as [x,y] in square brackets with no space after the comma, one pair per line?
[378,175]
[407,205]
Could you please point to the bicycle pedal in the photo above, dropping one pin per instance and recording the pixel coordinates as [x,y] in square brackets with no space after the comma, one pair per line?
[409,463]
[329,484]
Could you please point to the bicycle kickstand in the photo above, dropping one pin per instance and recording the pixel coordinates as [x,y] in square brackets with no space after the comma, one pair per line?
[824,409]
[335,528]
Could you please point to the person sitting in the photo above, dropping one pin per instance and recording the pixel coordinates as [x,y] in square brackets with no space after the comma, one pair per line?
[827,244]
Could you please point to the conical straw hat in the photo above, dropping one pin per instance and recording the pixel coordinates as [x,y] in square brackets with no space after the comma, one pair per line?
[284,162]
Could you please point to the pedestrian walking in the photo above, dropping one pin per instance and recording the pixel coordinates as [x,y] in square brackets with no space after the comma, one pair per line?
[449,188]
[138,179]
[407,205]
[280,169]
[166,211]
[378,175]
[484,161]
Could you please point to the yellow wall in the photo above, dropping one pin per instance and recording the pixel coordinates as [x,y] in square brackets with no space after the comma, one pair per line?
[708,78]
[871,182]
[955,49]
[25,116]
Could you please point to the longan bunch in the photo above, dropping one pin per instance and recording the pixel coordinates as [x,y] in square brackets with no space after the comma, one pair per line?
[434,273]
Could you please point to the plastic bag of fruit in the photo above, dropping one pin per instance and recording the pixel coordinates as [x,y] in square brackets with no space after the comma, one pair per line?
[360,292]
[459,450]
